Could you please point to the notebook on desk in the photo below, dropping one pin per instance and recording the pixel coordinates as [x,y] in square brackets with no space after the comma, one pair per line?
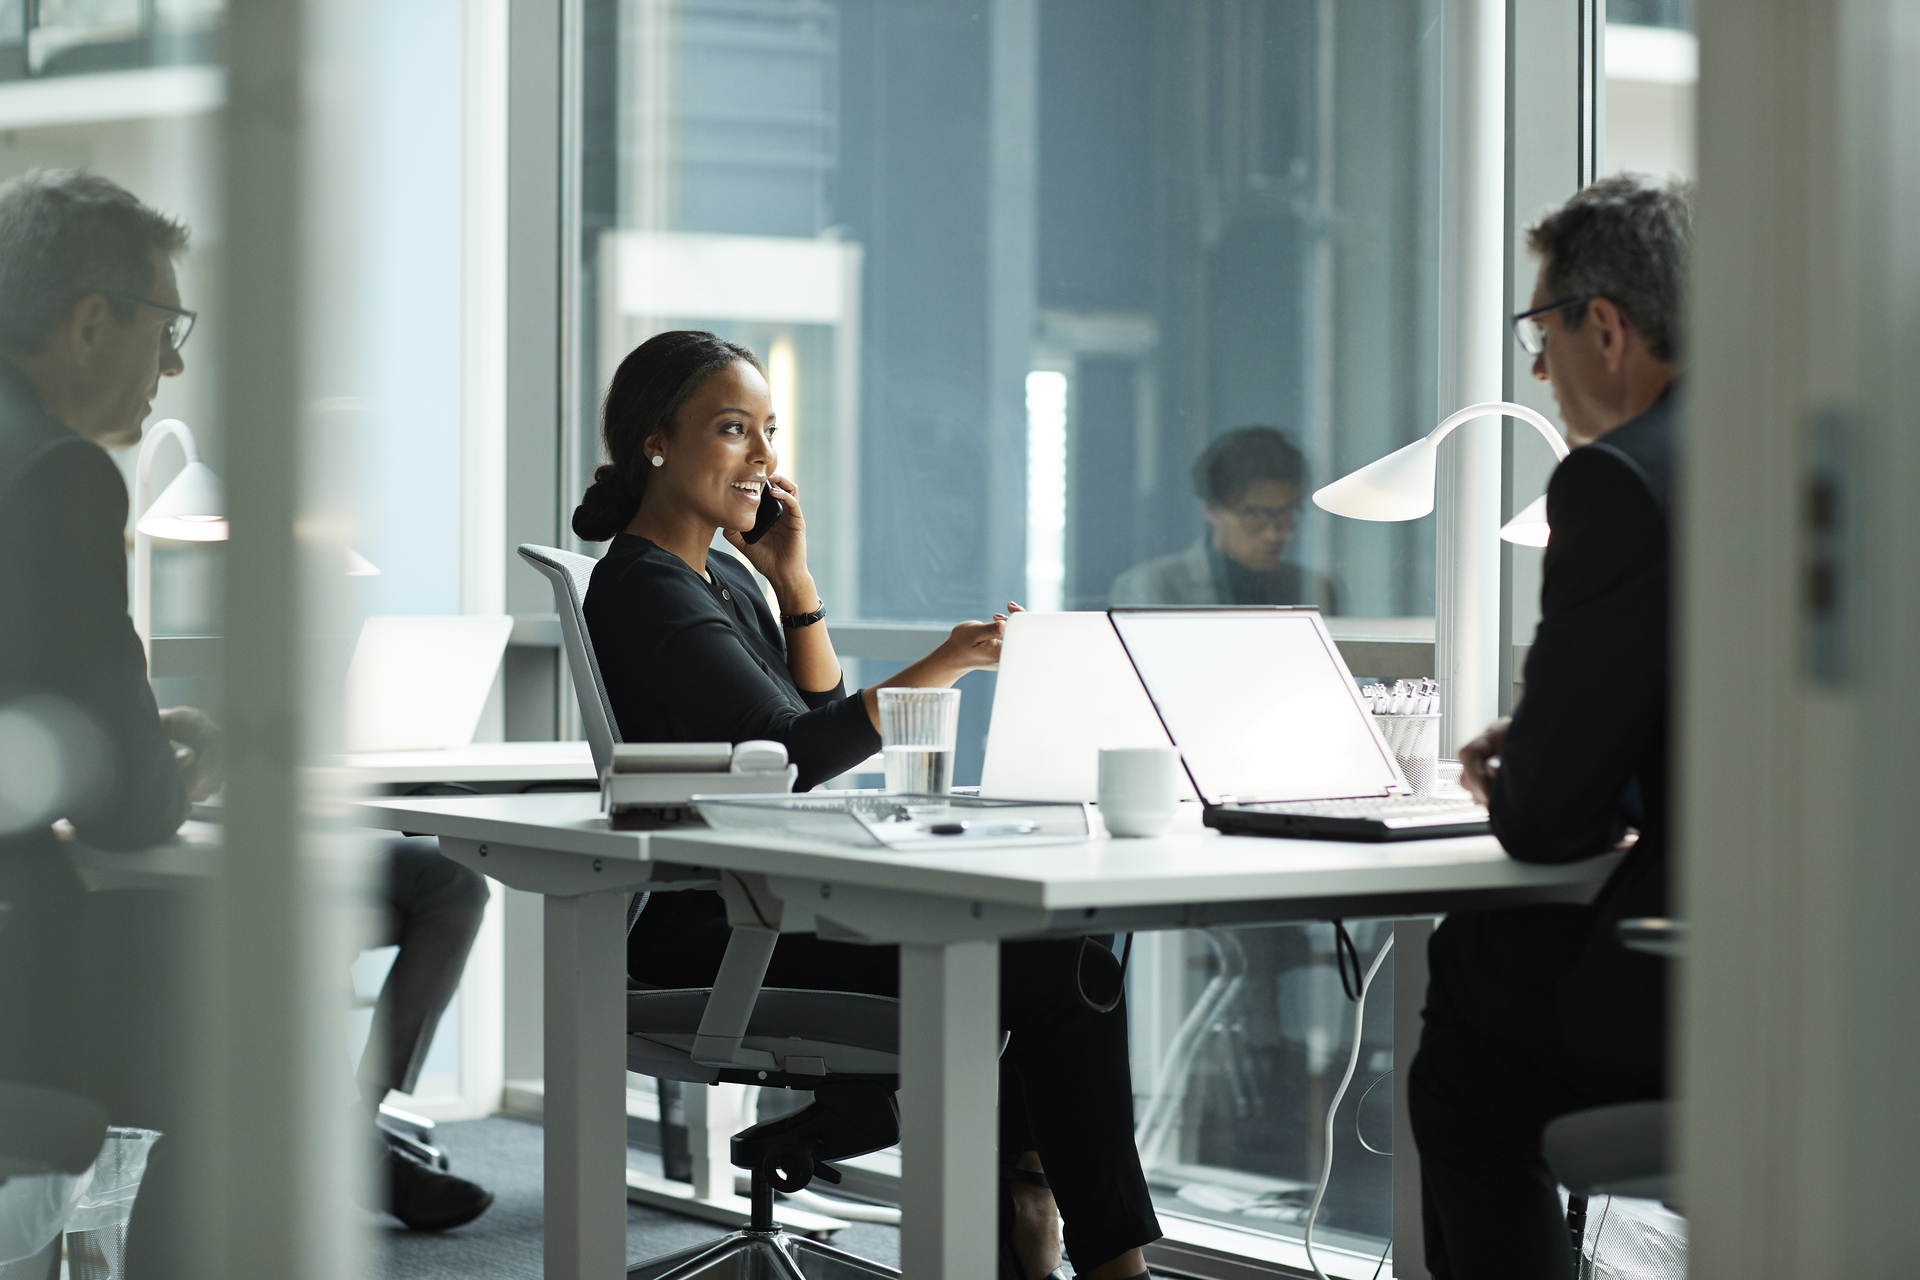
[1272,729]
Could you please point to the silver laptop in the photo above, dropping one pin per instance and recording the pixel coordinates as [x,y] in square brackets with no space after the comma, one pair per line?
[421,684]
[1272,730]
[1065,690]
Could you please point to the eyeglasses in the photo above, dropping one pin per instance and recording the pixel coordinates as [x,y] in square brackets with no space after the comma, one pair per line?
[1531,334]
[176,330]
[1264,517]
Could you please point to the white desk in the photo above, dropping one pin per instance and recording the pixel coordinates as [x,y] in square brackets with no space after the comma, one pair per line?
[500,762]
[189,861]
[947,911]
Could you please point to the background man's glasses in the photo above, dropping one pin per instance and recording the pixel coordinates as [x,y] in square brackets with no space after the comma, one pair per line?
[1263,517]
[176,330]
[1531,333]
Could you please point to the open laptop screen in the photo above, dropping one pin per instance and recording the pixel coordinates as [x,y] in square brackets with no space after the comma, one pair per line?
[1259,702]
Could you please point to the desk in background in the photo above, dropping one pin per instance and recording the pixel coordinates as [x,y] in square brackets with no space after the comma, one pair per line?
[947,911]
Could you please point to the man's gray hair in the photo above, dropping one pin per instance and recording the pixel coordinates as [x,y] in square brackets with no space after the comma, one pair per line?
[1627,239]
[66,234]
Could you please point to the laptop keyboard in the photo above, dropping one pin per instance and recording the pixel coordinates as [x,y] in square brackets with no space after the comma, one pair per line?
[1398,809]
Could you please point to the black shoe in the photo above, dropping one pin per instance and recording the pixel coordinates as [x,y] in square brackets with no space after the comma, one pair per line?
[426,1199]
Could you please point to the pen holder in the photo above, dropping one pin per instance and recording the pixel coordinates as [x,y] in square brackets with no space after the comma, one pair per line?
[1415,743]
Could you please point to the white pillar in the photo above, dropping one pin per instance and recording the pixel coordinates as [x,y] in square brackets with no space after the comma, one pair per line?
[1797,1033]
[1472,331]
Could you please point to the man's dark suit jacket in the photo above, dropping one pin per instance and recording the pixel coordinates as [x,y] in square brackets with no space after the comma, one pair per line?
[1586,755]
[65,637]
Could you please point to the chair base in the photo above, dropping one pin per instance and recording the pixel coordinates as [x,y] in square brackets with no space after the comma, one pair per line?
[760,1255]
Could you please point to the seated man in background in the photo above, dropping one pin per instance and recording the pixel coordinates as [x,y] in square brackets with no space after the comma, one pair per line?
[90,321]
[1539,1011]
[1250,482]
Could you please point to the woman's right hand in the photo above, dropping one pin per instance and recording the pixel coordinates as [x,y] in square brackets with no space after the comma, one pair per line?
[971,646]
[975,646]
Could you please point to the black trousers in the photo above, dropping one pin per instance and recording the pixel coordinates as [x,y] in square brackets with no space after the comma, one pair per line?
[1496,1063]
[433,911]
[1066,1090]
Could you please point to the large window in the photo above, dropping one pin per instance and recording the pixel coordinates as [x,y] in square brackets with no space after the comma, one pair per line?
[1012,268]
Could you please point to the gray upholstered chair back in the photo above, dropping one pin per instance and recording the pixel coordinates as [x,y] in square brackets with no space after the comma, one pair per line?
[569,575]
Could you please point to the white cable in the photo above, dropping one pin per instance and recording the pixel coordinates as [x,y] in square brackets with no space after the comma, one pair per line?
[847,1209]
[1353,1061]
[832,1207]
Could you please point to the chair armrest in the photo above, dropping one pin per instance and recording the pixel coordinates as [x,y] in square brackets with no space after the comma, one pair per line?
[723,1026]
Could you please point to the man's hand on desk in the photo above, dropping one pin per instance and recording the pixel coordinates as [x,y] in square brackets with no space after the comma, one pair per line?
[196,747]
[1480,760]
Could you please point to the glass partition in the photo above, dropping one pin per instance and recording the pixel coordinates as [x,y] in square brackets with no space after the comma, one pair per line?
[1014,270]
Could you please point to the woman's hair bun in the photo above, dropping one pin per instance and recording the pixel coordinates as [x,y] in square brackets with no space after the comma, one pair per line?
[606,508]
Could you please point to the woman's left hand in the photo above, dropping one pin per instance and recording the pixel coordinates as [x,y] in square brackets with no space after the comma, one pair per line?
[781,554]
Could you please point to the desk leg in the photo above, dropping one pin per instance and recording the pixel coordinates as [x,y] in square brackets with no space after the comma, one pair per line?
[586,1090]
[1409,998]
[949,1109]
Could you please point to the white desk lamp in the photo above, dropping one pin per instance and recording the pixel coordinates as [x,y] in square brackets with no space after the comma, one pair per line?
[1400,485]
[191,509]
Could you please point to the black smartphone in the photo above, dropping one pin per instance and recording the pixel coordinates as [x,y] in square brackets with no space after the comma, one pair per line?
[770,510]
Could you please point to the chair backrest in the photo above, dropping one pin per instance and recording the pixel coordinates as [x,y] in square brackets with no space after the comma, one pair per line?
[569,575]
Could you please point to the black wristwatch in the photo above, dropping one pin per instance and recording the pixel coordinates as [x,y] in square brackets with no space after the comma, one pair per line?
[795,621]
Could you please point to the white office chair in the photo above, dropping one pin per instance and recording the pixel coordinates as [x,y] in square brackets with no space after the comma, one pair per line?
[841,1046]
[569,575]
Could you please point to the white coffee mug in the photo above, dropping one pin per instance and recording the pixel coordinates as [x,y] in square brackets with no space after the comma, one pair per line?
[1139,791]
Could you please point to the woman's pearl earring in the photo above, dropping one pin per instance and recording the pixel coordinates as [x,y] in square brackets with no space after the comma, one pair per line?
[659,460]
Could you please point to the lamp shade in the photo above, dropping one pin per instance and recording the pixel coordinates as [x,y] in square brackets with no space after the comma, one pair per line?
[191,509]
[1397,487]
[1528,528]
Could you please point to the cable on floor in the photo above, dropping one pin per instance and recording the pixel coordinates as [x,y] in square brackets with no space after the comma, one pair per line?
[1383,1258]
[1353,1063]
[1360,1106]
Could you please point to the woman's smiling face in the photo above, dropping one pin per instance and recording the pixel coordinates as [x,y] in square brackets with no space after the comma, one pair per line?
[721,451]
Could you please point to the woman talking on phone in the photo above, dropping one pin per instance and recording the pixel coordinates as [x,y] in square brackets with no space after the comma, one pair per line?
[690,653]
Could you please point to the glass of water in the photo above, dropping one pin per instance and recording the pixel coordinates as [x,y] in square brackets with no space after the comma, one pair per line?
[918,728]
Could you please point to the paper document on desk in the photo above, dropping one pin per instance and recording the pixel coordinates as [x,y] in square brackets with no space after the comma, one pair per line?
[910,824]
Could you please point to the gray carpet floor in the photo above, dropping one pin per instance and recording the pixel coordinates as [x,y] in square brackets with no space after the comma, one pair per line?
[503,1155]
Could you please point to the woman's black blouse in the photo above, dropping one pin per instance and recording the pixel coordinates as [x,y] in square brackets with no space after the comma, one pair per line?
[686,660]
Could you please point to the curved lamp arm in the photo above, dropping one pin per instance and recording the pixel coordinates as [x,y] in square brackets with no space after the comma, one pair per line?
[1400,485]
[1504,409]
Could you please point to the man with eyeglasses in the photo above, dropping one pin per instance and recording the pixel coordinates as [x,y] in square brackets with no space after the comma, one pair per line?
[1249,481]
[90,321]
[1537,1012]
[90,999]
